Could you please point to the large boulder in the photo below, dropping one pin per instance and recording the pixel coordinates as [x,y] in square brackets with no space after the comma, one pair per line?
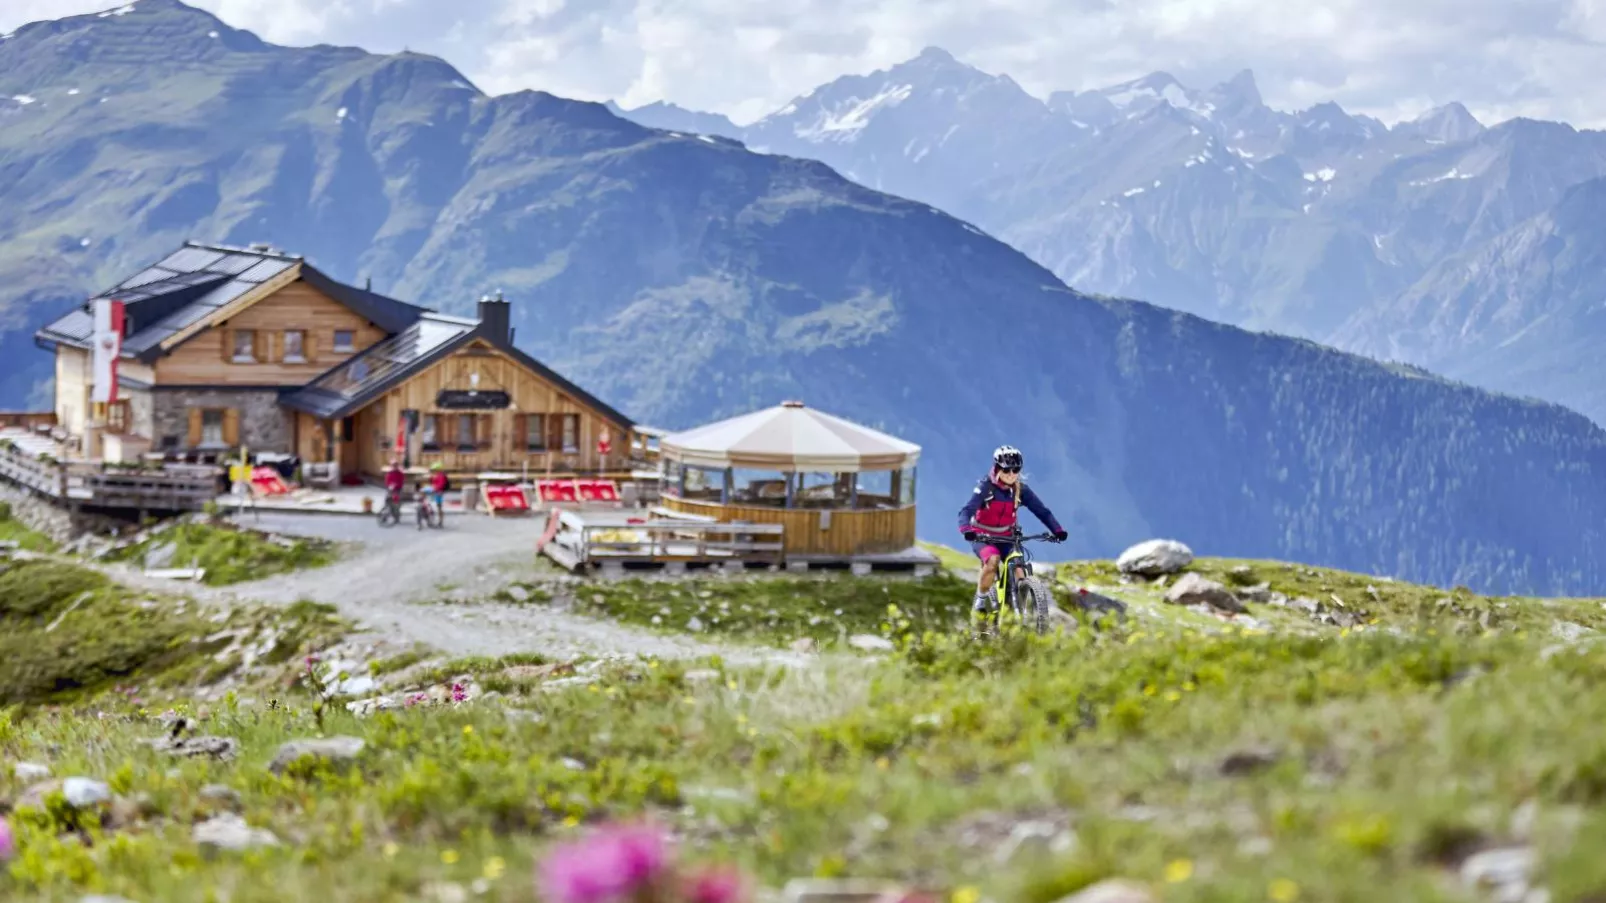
[1192,589]
[1155,558]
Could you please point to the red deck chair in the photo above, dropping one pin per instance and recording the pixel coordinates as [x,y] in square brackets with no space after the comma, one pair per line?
[556,491]
[267,481]
[506,498]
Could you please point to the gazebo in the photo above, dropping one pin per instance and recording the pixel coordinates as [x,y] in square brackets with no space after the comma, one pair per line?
[840,489]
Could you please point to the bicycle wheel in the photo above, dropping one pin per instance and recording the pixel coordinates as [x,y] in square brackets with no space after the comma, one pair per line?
[1034,598]
[389,515]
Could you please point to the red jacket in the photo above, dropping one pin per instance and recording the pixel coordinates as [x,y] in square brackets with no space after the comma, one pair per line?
[437,481]
[992,508]
[395,479]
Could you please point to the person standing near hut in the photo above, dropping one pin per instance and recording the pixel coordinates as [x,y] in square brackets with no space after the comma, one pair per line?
[987,520]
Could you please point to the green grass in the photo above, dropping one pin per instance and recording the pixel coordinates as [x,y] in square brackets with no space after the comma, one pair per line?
[778,611]
[13,530]
[1382,755]
[66,631]
[231,554]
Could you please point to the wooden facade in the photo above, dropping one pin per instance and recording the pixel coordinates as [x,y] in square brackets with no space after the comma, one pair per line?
[259,345]
[543,430]
[847,532]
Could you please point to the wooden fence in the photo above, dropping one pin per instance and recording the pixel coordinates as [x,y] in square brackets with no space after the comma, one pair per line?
[582,544]
[169,488]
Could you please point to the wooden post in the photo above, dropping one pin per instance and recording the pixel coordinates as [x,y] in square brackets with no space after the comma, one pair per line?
[791,489]
[725,487]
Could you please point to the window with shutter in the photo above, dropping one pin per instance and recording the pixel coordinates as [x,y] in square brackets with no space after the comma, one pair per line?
[534,432]
[486,431]
[571,433]
[466,437]
[429,437]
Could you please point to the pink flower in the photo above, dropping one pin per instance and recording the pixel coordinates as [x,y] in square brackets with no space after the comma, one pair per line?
[610,865]
[8,845]
[458,693]
[716,885]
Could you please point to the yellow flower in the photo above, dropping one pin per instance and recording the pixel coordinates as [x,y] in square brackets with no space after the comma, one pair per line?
[468,728]
[494,867]
[730,684]
[1178,870]
[652,664]
[966,894]
[391,850]
[1172,696]
[571,821]
[752,732]
[1283,891]
[882,763]
[1150,690]
[741,719]
[1189,686]
[449,856]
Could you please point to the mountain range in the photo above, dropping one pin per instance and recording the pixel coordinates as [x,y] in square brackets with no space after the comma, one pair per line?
[683,277]
[1439,241]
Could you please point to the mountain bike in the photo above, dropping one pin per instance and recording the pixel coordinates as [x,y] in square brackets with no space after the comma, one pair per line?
[1017,591]
[390,511]
[428,514]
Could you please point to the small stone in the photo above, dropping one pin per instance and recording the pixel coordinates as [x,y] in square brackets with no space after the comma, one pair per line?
[1242,570]
[1034,838]
[30,771]
[869,642]
[81,793]
[1192,589]
[221,748]
[160,556]
[802,645]
[518,594]
[1113,890]
[230,832]
[361,707]
[573,764]
[1154,558]
[1305,604]
[1248,761]
[695,625]
[701,675]
[221,795]
[336,750]
[1504,870]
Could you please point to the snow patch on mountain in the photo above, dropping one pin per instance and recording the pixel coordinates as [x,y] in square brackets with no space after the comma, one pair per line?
[849,118]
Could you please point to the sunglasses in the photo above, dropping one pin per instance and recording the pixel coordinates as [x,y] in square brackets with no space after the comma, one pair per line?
[1009,470]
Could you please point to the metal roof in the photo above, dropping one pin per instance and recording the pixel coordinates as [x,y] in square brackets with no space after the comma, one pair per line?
[198,279]
[353,383]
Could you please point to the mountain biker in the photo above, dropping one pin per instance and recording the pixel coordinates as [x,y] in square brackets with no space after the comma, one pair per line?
[395,482]
[438,484]
[987,519]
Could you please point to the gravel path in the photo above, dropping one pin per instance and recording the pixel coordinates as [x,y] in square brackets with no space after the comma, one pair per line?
[405,586]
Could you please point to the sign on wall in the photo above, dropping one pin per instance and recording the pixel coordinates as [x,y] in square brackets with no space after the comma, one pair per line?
[108,345]
[472,400]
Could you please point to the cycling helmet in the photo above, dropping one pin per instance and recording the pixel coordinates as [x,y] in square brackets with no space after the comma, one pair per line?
[1008,456]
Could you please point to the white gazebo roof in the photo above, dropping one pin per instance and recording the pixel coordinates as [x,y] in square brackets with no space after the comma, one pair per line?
[790,437]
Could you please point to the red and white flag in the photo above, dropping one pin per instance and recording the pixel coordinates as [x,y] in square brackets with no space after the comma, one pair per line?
[108,339]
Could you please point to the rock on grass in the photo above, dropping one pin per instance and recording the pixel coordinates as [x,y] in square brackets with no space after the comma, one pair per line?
[1193,589]
[335,750]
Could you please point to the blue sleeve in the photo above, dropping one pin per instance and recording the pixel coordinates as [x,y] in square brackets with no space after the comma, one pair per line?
[972,505]
[1037,507]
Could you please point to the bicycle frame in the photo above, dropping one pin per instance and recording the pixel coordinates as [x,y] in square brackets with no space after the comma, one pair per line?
[1019,559]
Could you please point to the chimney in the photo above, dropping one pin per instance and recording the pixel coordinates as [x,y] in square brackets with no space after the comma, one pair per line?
[495,319]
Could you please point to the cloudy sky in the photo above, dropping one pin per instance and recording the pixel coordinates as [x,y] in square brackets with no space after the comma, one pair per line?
[744,58]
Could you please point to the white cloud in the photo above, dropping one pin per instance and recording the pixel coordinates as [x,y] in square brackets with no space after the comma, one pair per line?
[1382,57]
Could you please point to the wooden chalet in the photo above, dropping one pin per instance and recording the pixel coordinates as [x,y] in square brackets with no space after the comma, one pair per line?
[227,347]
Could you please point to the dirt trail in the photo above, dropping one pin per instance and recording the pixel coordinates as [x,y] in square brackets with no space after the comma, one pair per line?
[398,583]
